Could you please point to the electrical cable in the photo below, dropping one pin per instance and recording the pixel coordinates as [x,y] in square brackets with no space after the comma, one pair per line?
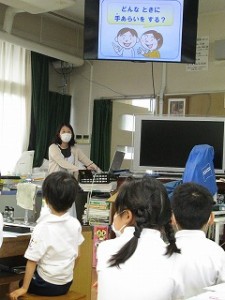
[102,85]
[90,195]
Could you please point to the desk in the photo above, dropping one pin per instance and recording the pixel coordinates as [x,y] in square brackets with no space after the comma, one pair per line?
[219,221]
[14,246]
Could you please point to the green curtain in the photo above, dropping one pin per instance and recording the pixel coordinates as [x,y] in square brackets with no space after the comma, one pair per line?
[59,112]
[48,109]
[101,133]
[39,106]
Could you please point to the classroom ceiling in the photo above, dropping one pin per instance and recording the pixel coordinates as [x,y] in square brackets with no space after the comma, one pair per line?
[69,9]
[74,9]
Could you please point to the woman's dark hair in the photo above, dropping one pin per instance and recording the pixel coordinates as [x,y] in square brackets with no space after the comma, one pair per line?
[57,139]
[147,199]
[60,190]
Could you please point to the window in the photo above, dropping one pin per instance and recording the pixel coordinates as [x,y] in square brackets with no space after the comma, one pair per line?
[15,104]
[123,124]
[150,104]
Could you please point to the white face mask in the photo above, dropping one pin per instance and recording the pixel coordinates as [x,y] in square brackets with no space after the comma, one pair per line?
[117,232]
[66,137]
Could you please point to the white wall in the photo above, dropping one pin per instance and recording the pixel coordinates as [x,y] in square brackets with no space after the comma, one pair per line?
[44,33]
[181,81]
[109,79]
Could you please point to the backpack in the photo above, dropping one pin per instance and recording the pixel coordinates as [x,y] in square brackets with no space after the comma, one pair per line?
[199,167]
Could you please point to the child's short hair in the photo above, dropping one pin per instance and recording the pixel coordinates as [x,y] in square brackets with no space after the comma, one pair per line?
[192,205]
[59,190]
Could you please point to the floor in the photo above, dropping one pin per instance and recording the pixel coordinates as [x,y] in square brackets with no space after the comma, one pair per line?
[94,289]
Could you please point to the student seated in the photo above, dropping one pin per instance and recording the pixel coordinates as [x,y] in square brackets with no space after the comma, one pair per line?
[138,264]
[54,242]
[204,260]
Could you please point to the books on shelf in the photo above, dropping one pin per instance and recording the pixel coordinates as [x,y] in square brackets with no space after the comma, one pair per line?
[99,204]
[98,211]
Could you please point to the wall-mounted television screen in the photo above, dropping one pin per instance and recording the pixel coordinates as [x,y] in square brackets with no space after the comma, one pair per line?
[141,30]
[164,143]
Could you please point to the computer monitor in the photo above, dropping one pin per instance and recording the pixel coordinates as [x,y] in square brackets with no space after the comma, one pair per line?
[24,165]
[163,143]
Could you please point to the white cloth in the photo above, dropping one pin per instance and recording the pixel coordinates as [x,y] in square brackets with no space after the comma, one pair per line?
[54,246]
[147,274]
[204,261]
[25,196]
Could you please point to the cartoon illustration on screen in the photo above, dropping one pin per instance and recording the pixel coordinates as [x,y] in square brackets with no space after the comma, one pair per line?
[151,41]
[126,39]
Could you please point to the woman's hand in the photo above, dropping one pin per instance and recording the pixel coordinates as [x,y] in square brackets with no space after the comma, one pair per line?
[17,293]
[93,167]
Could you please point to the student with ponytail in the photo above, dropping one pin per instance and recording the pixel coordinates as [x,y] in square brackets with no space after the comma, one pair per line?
[138,264]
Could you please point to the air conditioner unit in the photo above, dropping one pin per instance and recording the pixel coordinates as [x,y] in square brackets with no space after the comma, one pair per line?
[62,65]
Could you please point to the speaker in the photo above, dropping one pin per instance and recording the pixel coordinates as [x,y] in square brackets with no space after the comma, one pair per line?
[219,50]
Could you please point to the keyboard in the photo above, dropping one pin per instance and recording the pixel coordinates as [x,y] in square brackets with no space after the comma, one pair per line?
[87,177]
[16,229]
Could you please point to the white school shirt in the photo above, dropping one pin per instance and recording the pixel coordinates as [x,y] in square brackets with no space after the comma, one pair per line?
[203,261]
[147,275]
[54,246]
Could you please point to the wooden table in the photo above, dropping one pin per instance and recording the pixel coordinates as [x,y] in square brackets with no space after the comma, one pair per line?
[14,246]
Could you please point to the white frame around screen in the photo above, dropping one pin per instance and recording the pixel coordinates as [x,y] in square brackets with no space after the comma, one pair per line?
[137,140]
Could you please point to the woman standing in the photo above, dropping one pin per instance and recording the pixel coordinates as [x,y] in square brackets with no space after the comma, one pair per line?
[65,156]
